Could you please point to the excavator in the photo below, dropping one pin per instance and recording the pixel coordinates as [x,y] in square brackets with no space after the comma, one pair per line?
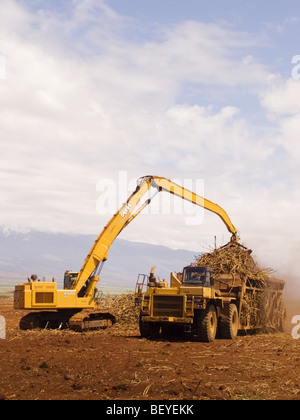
[76,305]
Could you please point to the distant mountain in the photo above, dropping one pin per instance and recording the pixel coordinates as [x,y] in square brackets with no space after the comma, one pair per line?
[49,255]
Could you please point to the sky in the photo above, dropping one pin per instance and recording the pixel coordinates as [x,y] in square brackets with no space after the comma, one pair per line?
[97,90]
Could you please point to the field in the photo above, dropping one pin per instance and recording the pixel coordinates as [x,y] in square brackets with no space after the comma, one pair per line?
[116,364]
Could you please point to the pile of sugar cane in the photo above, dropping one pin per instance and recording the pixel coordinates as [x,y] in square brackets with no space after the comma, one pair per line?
[123,309]
[234,259]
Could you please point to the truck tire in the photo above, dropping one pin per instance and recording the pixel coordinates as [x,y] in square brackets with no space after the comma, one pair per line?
[149,329]
[167,331]
[229,326]
[206,324]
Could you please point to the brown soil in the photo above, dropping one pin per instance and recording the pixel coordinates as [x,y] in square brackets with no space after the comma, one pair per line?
[117,364]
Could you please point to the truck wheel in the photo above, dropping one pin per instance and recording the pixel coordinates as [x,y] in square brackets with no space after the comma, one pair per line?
[153,330]
[206,324]
[144,330]
[229,326]
[167,331]
[149,330]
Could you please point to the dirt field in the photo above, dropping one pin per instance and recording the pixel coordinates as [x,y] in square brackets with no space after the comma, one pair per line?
[117,364]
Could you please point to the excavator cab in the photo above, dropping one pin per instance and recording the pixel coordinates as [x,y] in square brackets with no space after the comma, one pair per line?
[69,279]
[197,276]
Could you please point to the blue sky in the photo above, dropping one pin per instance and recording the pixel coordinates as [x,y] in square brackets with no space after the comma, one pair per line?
[182,89]
[276,23]
[275,29]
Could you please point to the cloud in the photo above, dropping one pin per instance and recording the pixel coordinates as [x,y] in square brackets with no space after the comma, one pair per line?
[282,106]
[51,257]
[281,97]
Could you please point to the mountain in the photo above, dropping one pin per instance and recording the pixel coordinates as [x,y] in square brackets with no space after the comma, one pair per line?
[49,255]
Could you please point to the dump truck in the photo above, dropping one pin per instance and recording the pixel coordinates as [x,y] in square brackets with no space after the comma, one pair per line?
[76,305]
[208,306]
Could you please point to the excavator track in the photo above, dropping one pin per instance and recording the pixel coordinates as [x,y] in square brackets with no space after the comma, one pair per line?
[87,320]
[45,319]
[84,320]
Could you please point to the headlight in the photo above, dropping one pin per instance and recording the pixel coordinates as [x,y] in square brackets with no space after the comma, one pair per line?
[138,301]
[198,303]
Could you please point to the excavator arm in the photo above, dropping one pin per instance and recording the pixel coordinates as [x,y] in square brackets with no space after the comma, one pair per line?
[99,251]
[166,185]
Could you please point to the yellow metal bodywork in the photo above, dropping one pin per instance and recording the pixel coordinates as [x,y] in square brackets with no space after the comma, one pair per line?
[174,282]
[36,295]
[188,295]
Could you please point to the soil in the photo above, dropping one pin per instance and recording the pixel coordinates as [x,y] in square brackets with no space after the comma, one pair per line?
[117,364]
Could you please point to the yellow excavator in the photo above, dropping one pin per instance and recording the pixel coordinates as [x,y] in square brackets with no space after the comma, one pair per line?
[76,305]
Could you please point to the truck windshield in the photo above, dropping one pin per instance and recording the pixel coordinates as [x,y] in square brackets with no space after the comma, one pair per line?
[195,276]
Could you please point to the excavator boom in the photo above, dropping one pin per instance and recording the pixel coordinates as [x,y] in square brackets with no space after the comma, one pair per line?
[169,186]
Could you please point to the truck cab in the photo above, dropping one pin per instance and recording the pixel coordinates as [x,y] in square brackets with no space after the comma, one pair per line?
[197,277]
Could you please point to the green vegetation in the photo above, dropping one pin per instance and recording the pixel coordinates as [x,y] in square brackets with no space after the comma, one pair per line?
[6,291]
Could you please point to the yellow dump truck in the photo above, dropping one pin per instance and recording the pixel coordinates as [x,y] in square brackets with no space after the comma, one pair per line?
[208,307]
